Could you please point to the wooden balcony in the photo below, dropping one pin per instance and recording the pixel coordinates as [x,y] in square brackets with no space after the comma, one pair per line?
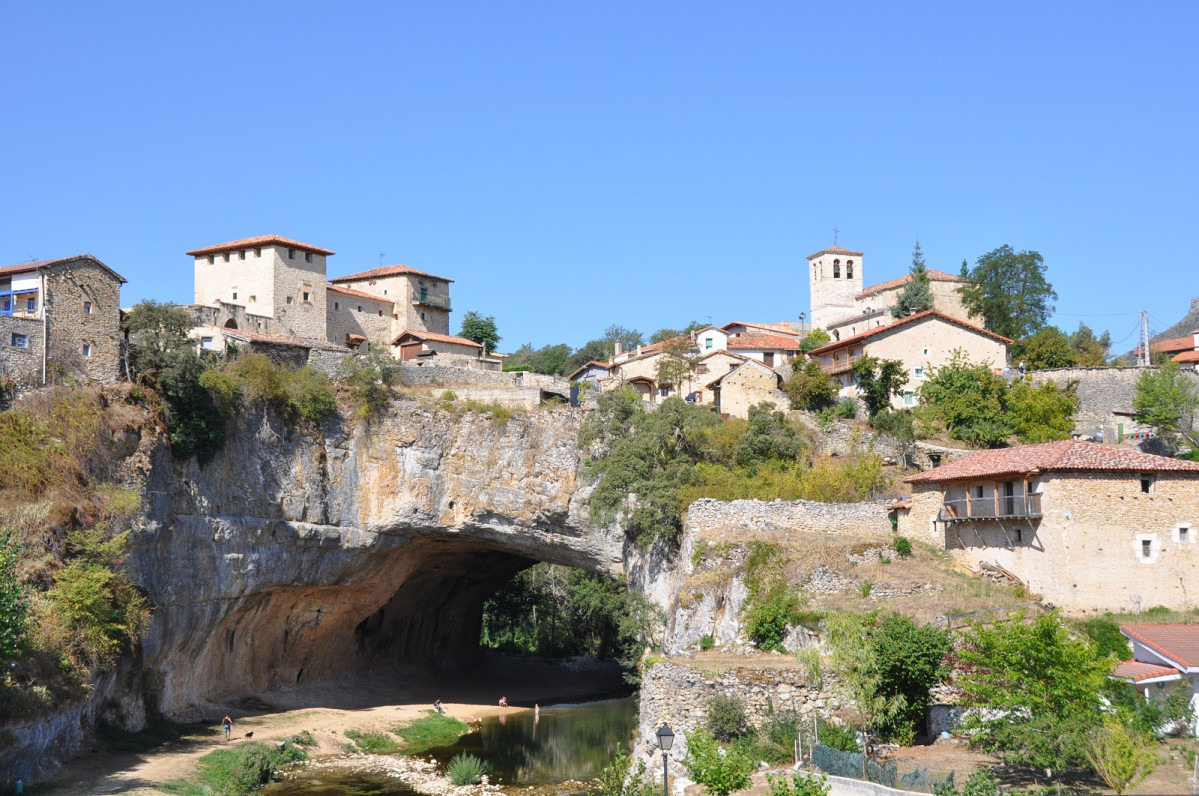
[840,364]
[1003,507]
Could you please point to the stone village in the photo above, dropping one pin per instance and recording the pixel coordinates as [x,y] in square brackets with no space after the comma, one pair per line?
[1089,524]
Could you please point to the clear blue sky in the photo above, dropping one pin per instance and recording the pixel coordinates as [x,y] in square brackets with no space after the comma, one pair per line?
[574,165]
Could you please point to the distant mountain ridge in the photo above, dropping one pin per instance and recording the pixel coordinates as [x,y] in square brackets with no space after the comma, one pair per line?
[1183,328]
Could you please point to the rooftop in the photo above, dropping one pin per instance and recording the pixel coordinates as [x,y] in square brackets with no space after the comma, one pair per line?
[829,347]
[754,341]
[359,293]
[1067,456]
[434,337]
[23,268]
[834,249]
[934,276]
[1136,671]
[387,270]
[1178,643]
[254,243]
[781,328]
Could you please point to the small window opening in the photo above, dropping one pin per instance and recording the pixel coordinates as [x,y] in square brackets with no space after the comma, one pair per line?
[226,256]
[241,255]
[1146,548]
[87,308]
[360,308]
[291,254]
[258,252]
[87,351]
[31,305]
[306,295]
[849,269]
[1019,535]
[336,305]
[1146,484]
[211,259]
[235,295]
[380,313]
[20,340]
[289,299]
[836,269]
[1182,534]
[307,257]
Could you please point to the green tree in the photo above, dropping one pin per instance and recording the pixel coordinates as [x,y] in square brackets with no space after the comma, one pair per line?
[814,339]
[1041,413]
[1049,348]
[603,347]
[809,387]
[721,772]
[917,295]
[1009,290]
[666,334]
[769,436]
[969,399]
[621,778]
[879,380]
[13,606]
[1089,350]
[369,378]
[549,359]
[1166,399]
[1041,688]
[677,363]
[1120,757]
[480,329]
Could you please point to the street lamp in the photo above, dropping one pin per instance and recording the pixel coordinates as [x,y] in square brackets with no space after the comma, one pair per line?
[665,741]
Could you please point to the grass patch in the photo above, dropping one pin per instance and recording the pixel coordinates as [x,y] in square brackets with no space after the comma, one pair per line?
[242,769]
[466,770]
[431,730]
[375,743]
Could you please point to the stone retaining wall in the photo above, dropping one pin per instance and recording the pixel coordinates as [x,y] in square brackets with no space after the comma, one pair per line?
[746,520]
[1101,391]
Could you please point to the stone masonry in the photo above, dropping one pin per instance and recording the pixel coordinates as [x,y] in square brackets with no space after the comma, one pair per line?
[1101,393]
[745,520]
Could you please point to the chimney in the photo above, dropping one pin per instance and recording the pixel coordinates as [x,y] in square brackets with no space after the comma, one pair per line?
[619,348]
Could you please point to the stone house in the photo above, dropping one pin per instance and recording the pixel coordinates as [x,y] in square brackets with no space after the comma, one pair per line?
[843,307]
[1086,526]
[419,346]
[772,350]
[1162,654]
[421,300]
[593,372]
[355,317]
[748,384]
[922,342]
[60,316]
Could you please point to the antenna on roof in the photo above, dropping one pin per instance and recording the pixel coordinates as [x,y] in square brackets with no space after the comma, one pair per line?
[381,256]
[31,259]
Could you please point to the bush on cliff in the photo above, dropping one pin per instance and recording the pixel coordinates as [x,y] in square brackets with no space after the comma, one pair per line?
[302,393]
[368,378]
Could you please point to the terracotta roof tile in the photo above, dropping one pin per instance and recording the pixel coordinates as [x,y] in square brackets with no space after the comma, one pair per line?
[782,328]
[23,268]
[387,270]
[1067,456]
[1186,356]
[1136,671]
[592,364]
[359,293]
[1179,643]
[754,342]
[261,240]
[434,337]
[834,249]
[934,276]
[829,347]
[1175,344]
[749,363]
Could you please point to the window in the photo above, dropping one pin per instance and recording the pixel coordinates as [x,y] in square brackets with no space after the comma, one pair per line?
[1146,484]
[360,308]
[849,269]
[919,372]
[258,252]
[926,352]
[701,369]
[978,492]
[206,343]
[336,305]
[211,259]
[241,255]
[87,308]
[289,299]
[20,340]
[253,299]
[707,342]
[422,317]
[235,295]
[768,359]
[909,398]
[31,304]
[1019,536]
[1146,548]
[306,296]
[87,351]
[8,304]
[307,257]
[1183,533]
[291,254]
[424,294]
[225,256]
[380,313]
[836,269]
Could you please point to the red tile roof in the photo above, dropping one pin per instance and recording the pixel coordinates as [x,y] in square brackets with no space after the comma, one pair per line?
[749,363]
[254,243]
[829,347]
[762,342]
[387,270]
[23,268]
[1174,344]
[773,327]
[1067,456]
[592,364]
[359,293]
[934,276]
[1178,643]
[834,249]
[1187,356]
[434,337]
[1136,671]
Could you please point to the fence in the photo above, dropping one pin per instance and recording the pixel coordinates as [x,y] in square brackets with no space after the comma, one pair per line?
[852,765]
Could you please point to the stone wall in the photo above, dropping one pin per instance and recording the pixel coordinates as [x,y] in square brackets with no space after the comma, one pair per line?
[1101,392]
[748,386]
[449,375]
[21,364]
[746,520]
[678,695]
[84,308]
[348,314]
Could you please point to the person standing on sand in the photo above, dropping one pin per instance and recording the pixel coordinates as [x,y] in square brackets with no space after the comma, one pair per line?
[503,701]
[227,724]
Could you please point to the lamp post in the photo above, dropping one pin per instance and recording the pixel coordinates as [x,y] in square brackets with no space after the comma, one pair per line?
[665,741]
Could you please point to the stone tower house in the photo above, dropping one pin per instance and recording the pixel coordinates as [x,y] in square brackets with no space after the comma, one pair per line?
[834,279]
[271,276]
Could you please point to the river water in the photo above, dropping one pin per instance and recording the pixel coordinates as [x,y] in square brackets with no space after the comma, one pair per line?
[563,742]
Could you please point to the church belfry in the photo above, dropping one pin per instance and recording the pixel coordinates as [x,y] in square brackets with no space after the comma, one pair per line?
[834,280]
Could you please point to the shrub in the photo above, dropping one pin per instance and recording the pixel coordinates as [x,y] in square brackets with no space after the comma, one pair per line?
[719,773]
[243,770]
[810,387]
[842,738]
[706,642]
[13,604]
[846,409]
[433,729]
[897,423]
[726,716]
[617,780]
[375,743]
[309,395]
[465,769]
[368,378]
[903,546]
[802,784]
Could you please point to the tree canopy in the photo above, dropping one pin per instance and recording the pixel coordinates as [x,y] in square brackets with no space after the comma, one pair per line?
[814,339]
[917,295]
[1166,399]
[1009,290]
[480,329]
[879,380]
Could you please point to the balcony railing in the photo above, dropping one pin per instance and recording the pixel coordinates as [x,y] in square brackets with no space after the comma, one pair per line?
[440,302]
[840,364]
[990,508]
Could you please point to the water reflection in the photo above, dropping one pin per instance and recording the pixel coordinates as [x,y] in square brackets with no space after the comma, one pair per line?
[553,744]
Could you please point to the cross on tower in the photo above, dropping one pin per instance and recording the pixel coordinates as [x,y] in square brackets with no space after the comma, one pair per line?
[835,233]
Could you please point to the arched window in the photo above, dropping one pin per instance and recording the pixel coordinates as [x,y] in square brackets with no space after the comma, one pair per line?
[836,269]
[849,269]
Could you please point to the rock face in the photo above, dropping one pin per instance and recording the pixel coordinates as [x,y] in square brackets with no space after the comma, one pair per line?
[293,557]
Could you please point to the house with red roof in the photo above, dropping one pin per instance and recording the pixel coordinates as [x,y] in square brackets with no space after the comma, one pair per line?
[1085,526]
[1161,655]
[922,342]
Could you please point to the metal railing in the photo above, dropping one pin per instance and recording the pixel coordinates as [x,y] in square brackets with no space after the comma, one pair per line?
[441,302]
[988,508]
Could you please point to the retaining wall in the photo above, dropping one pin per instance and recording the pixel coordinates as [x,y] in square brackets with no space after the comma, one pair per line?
[746,520]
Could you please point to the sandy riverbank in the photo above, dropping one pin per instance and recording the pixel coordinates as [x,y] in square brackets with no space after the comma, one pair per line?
[368,703]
